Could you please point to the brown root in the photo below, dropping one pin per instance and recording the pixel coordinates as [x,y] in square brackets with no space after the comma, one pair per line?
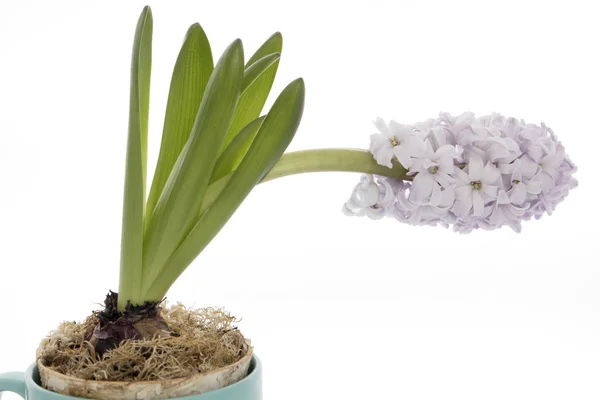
[200,340]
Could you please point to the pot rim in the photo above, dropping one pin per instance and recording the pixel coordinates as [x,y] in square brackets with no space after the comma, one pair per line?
[32,376]
[50,371]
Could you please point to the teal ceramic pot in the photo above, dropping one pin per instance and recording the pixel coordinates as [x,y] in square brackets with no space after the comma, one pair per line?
[27,385]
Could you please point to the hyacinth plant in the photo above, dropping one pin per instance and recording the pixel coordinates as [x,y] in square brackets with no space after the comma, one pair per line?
[216,146]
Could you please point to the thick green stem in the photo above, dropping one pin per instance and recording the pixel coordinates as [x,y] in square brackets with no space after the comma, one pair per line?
[330,160]
[319,160]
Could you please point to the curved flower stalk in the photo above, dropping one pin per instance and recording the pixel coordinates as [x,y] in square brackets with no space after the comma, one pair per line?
[467,172]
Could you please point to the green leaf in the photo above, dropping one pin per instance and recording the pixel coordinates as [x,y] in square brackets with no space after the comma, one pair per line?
[179,204]
[135,165]
[235,152]
[273,137]
[255,95]
[190,77]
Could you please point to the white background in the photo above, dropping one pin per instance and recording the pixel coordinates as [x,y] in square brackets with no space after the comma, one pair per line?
[336,307]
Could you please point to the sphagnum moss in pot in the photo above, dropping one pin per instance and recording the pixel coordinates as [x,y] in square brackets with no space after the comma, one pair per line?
[463,171]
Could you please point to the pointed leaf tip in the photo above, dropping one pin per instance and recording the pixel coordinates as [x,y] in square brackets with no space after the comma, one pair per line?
[299,82]
[235,50]
[238,43]
[273,44]
[147,12]
[194,28]
[298,86]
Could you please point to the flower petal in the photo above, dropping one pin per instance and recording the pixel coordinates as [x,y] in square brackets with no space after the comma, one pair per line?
[490,191]
[518,193]
[382,127]
[420,192]
[478,204]
[490,174]
[475,169]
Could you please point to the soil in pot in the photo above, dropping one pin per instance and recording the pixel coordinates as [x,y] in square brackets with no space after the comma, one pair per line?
[148,352]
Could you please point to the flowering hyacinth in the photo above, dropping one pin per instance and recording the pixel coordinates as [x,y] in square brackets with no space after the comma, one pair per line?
[464,171]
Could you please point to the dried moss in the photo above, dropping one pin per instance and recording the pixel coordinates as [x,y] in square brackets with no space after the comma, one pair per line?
[201,340]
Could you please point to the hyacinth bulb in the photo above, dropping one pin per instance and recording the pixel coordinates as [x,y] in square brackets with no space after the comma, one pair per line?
[465,172]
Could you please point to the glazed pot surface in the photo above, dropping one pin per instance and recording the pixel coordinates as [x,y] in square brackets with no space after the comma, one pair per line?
[28,386]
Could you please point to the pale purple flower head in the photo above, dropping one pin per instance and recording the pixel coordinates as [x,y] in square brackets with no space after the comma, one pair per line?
[467,172]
